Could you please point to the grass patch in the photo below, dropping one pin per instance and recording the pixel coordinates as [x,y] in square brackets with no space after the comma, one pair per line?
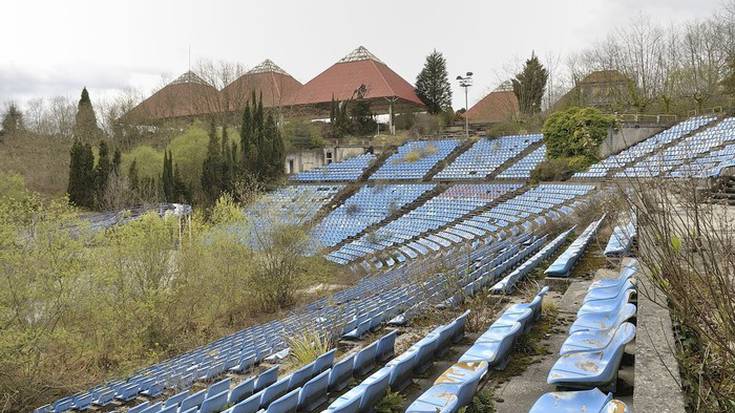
[307,347]
[483,402]
[392,402]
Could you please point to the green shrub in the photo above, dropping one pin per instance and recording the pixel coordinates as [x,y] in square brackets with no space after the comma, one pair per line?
[552,170]
[576,132]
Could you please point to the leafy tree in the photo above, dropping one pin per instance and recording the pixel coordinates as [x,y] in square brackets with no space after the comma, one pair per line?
[432,84]
[576,132]
[529,86]
[728,82]
[361,117]
[85,126]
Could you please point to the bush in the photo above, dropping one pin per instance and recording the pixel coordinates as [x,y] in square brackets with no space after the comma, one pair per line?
[576,132]
[559,169]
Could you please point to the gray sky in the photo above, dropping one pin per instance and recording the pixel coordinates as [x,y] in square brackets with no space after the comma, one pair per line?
[55,47]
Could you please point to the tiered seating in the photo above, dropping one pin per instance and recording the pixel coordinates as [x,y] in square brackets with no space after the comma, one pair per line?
[645,148]
[457,385]
[371,204]
[415,159]
[486,155]
[622,238]
[508,283]
[566,261]
[523,168]
[347,170]
[456,202]
[397,373]
[662,163]
[708,165]
[591,355]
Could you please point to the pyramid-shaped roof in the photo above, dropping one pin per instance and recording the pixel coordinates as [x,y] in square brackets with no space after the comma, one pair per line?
[186,96]
[266,79]
[360,67]
[499,105]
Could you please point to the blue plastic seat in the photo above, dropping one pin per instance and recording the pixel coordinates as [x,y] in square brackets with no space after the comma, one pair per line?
[314,393]
[425,349]
[104,398]
[249,405]
[452,390]
[300,376]
[241,391]
[266,378]
[135,409]
[386,345]
[402,370]
[494,345]
[588,340]
[594,368]
[218,387]
[606,306]
[245,363]
[603,321]
[365,359]
[626,273]
[274,391]
[193,400]
[589,401]
[176,399]
[534,305]
[214,403]
[323,362]
[286,403]
[523,316]
[375,387]
[341,373]
[607,293]
[152,408]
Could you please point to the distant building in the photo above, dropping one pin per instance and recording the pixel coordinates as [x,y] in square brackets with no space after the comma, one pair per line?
[267,80]
[607,90]
[500,105]
[187,96]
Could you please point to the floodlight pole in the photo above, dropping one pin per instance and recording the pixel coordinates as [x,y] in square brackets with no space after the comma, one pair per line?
[465,82]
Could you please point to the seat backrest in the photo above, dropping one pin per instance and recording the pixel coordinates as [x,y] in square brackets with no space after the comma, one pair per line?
[135,409]
[300,376]
[266,378]
[624,335]
[218,387]
[194,400]
[249,405]
[386,343]
[286,403]
[242,390]
[214,403]
[323,362]
[376,389]
[154,408]
[274,391]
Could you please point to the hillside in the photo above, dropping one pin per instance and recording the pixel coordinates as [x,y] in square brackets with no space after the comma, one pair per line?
[43,162]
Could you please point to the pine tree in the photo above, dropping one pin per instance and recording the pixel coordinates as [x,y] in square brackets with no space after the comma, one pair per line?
[85,126]
[167,178]
[82,177]
[278,152]
[432,84]
[247,141]
[212,167]
[102,172]
[12,121]
[529,86]
[116,161]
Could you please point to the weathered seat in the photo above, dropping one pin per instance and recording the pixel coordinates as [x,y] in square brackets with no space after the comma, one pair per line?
[588,340]
[452,390]
[594,368]
[386,345]
[214,403]
[607,293]
[341,373]
[494,345]
[287,403]
[314,392]
[242,391]
[588,401]
[266,378]
[402,370]
[193,400]
[323,362]
[603,321]
[365,359]
[218,387]
[273,392]
[606,306]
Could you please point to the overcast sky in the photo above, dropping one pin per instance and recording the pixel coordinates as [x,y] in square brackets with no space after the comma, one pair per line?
[55,47]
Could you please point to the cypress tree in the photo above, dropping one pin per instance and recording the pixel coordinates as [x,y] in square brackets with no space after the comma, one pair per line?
[102,172]
[211,178]
[75,188]
[133,176]
[529,86]
[85,126]
[432,84]
[116,161]
[167,178]
[278,150]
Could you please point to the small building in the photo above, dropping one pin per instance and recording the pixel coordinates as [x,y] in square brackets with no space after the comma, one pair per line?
[308,159]
[607,90]
[267,80]
[500,105]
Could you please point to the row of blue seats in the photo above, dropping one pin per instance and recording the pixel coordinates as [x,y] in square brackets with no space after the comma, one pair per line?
[523,168]
[591,356]
[457,385]
[709,165]
[486,155]
[508,283]
[622,238]
[346,170]
[415,159]
[563,265]
[398,373]
[645,148]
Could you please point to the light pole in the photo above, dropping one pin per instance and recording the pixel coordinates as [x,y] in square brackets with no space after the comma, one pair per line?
[465,82]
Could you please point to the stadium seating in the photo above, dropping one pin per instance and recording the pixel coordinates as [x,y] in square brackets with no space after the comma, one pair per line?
[486,155]
[347,170]
[457,385]
[588,401]
[415,159]
[523,168]
[591,356]
[709,164]
[371,204]
[622,238]
[698,144]
[645,148]
[563,265]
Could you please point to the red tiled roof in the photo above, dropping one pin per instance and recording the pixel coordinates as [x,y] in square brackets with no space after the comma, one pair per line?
[188,95]
[344,77]
[497,106]
[267,78]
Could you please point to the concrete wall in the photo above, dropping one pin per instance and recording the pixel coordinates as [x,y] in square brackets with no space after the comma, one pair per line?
[313,158]
[626,136]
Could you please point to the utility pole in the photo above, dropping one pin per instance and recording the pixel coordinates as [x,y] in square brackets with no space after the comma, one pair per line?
[465,82]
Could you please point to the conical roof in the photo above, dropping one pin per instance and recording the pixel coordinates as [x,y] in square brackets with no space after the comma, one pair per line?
[497,106]
[359,67]
[188,95]
[266,79]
